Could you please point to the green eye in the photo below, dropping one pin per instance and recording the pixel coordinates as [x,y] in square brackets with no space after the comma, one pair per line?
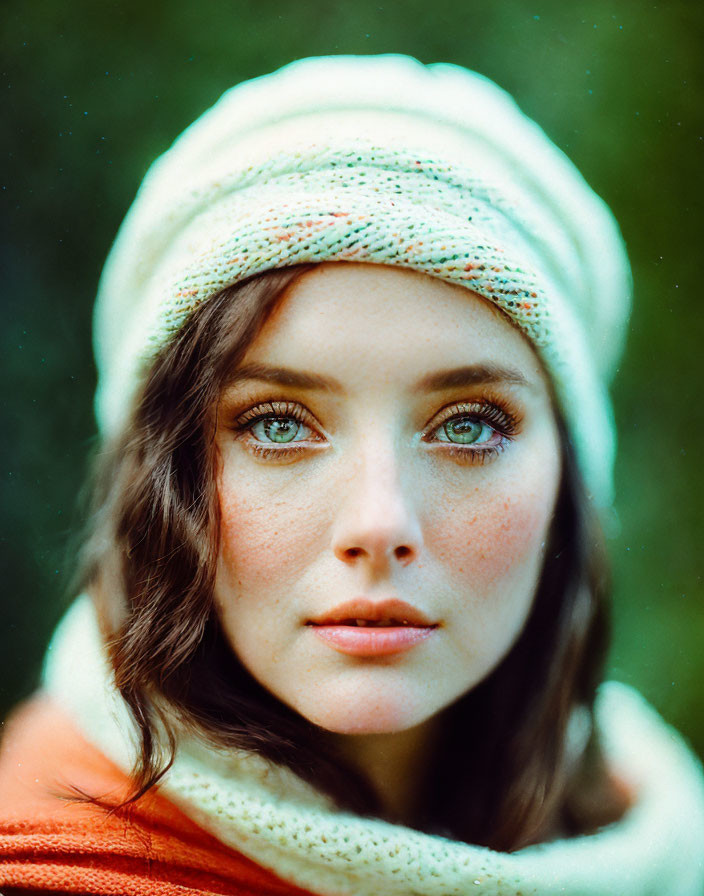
[471,431]
[464,431]
[467,431]
[276,429]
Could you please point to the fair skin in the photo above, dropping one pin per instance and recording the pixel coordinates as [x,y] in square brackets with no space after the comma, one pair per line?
[376,486]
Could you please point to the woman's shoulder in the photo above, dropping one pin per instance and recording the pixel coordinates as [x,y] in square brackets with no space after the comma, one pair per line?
[652,770]
[53,836]
[647,751]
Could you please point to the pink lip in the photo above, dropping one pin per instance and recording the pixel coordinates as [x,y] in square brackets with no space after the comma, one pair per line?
[363,608]
[383,641]
[407,627]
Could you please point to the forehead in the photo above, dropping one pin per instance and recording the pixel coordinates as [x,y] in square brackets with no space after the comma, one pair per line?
[355,318]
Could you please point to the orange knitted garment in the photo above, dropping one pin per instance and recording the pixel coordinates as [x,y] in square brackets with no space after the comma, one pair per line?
[53,844]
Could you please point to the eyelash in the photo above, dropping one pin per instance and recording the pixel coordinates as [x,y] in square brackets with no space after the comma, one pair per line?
[489,412]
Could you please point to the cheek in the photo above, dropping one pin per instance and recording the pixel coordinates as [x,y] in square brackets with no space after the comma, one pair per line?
[495,534]
[261,533]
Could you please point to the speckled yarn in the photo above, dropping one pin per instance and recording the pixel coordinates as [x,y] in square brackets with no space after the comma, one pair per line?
[284,824]
[383,160]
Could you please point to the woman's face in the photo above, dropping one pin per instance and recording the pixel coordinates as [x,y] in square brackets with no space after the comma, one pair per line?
[388,436]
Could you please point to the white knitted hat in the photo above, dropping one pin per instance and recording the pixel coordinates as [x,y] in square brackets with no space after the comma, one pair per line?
[375,159]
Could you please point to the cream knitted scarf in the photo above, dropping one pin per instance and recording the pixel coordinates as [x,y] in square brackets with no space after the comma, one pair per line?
[281,822]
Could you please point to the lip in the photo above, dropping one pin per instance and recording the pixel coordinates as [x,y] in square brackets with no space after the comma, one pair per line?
[364,608]
[370,641]
[356,641]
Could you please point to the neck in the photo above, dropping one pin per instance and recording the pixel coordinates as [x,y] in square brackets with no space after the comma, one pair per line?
[394,763]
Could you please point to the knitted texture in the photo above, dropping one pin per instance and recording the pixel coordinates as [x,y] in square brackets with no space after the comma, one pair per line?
[377,160]
[50,843]
[283,824]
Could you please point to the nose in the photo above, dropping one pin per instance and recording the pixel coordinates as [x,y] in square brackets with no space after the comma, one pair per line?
[376,523]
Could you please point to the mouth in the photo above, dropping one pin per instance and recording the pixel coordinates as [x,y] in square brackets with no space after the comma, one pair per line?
[364,628]
[372,623]
[363,612]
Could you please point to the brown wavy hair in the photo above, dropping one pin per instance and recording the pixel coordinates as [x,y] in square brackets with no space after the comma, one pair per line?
[149,562]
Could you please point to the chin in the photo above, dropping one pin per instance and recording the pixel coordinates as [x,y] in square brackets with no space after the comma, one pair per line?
[358,715]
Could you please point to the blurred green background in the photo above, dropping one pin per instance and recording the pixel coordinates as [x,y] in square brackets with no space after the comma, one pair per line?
[93,92]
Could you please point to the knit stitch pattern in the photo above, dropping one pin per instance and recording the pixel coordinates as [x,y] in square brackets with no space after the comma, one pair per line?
[376,160]
[282,823]
[49,842]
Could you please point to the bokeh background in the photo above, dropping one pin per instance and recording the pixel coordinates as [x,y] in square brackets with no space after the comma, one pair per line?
[92,92]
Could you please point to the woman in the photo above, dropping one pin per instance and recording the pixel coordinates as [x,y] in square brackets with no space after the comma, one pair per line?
[344,615]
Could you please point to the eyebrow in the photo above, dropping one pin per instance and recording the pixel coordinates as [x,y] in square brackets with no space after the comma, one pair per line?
[474,375]
[470,375]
